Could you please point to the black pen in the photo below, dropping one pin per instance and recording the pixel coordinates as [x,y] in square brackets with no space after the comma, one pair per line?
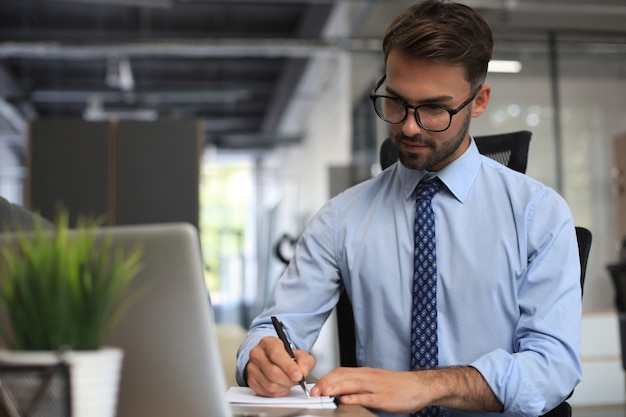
[279,327]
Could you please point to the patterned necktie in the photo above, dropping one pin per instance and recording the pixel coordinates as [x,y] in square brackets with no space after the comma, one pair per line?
[424,352]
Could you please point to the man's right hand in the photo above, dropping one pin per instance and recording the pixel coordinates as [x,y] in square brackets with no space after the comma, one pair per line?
[271,372]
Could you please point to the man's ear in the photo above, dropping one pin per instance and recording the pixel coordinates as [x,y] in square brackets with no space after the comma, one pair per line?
[481,100]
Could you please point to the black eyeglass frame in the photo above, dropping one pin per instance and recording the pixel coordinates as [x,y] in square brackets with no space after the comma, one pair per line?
[407,106]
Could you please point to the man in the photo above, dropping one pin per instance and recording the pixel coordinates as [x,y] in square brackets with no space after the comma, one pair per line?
[497,327]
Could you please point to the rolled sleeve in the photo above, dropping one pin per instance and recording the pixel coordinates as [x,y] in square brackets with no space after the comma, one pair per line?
[544,365]
[506,379]
[243,354]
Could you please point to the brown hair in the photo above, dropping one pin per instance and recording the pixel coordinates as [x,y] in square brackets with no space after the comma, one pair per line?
[447,32]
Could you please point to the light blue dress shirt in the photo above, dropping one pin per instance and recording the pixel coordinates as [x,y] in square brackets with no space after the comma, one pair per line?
[508,279]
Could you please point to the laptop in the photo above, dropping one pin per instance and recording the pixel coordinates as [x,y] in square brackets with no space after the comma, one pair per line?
[172,364]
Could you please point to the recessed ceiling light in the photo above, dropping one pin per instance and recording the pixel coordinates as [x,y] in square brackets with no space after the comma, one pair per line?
[504,66]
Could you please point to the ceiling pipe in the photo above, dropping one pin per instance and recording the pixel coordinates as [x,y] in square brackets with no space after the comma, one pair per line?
[206,48]
[222,48]
[81,96]
[505,5]
[161,4]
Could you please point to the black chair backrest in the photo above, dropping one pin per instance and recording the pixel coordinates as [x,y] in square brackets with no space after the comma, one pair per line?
[510,149]
[583,236]
[561,410]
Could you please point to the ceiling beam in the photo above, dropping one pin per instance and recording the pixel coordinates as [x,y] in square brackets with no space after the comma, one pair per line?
[201,48]
[109,96]
[8,86]
[567,6]
[12,118]
[12,122]
[252,140]
[216,48]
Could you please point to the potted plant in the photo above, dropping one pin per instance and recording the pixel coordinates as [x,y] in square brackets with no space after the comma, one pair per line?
[61,291]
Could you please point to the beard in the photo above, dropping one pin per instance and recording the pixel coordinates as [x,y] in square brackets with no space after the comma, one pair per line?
[441,151]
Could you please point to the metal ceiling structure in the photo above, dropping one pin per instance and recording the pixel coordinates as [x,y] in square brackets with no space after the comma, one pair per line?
[236,64]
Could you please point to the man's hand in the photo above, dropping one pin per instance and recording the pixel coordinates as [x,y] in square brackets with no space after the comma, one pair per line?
[406,392]
[271,372]
[389,391]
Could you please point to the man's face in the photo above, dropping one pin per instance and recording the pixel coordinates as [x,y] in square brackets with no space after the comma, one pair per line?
[419,81]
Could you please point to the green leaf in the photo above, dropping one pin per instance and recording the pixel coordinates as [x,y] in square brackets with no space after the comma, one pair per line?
[64,288]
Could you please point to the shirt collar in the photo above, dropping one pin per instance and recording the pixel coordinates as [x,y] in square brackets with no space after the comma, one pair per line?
[458,176]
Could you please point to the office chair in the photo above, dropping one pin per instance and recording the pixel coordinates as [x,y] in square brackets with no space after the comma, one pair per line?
[618,276]
[617,271]
[583,236]
[510,149]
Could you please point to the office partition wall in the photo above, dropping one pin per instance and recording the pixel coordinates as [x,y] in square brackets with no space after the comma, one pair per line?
[127,172]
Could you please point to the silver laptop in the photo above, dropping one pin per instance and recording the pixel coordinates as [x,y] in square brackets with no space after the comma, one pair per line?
[172,364]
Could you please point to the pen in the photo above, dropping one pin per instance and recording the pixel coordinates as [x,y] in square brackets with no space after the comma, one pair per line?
[279,327]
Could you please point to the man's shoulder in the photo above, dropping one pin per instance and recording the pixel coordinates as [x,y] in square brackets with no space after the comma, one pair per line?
[494,169]
[384,182]
[522,190]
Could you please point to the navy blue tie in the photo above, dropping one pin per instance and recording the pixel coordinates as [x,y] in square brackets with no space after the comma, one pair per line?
[424,352]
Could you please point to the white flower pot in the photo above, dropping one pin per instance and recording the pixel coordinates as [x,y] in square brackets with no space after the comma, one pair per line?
[94,376]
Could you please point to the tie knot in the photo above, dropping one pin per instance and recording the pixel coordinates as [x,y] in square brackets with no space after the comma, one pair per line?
[427,189]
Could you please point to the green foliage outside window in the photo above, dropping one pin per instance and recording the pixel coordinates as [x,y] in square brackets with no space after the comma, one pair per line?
[225,200]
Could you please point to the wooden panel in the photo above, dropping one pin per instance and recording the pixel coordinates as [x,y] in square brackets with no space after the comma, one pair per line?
[158,165]
[68,165]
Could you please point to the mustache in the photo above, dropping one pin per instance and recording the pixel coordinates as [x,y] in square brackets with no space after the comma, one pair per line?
[417,140]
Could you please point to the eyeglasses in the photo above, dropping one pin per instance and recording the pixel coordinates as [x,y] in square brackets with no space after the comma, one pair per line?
[431,117]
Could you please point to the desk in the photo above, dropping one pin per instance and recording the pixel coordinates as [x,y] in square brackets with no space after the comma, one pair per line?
[341,411]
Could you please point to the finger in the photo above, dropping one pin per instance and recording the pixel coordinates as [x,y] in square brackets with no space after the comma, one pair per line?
[266,375]
[261,385]
[384,390]
[388,403]
[305,361]
[339,381]
[278,356]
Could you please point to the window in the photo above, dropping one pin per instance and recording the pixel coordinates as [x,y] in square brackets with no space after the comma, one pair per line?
[226,207]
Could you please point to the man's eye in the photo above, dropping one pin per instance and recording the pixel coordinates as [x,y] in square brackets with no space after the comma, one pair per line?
[432,109]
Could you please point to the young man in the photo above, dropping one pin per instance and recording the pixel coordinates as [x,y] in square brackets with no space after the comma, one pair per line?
[492,322]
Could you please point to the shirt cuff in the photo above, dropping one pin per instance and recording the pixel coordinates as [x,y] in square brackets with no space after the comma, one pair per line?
[242,361]
[505,378]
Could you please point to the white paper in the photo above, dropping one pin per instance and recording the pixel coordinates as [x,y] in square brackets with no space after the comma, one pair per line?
[296,398]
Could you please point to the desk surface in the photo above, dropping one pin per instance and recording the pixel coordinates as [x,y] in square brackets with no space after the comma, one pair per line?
[341,411]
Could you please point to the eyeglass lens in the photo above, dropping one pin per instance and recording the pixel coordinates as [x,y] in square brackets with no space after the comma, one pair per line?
[429,117]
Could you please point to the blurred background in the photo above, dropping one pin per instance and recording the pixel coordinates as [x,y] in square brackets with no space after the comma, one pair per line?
[270,99]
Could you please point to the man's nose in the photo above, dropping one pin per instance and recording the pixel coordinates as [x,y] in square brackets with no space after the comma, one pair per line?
[410,127]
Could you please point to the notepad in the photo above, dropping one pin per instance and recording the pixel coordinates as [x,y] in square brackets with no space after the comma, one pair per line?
[295,399]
